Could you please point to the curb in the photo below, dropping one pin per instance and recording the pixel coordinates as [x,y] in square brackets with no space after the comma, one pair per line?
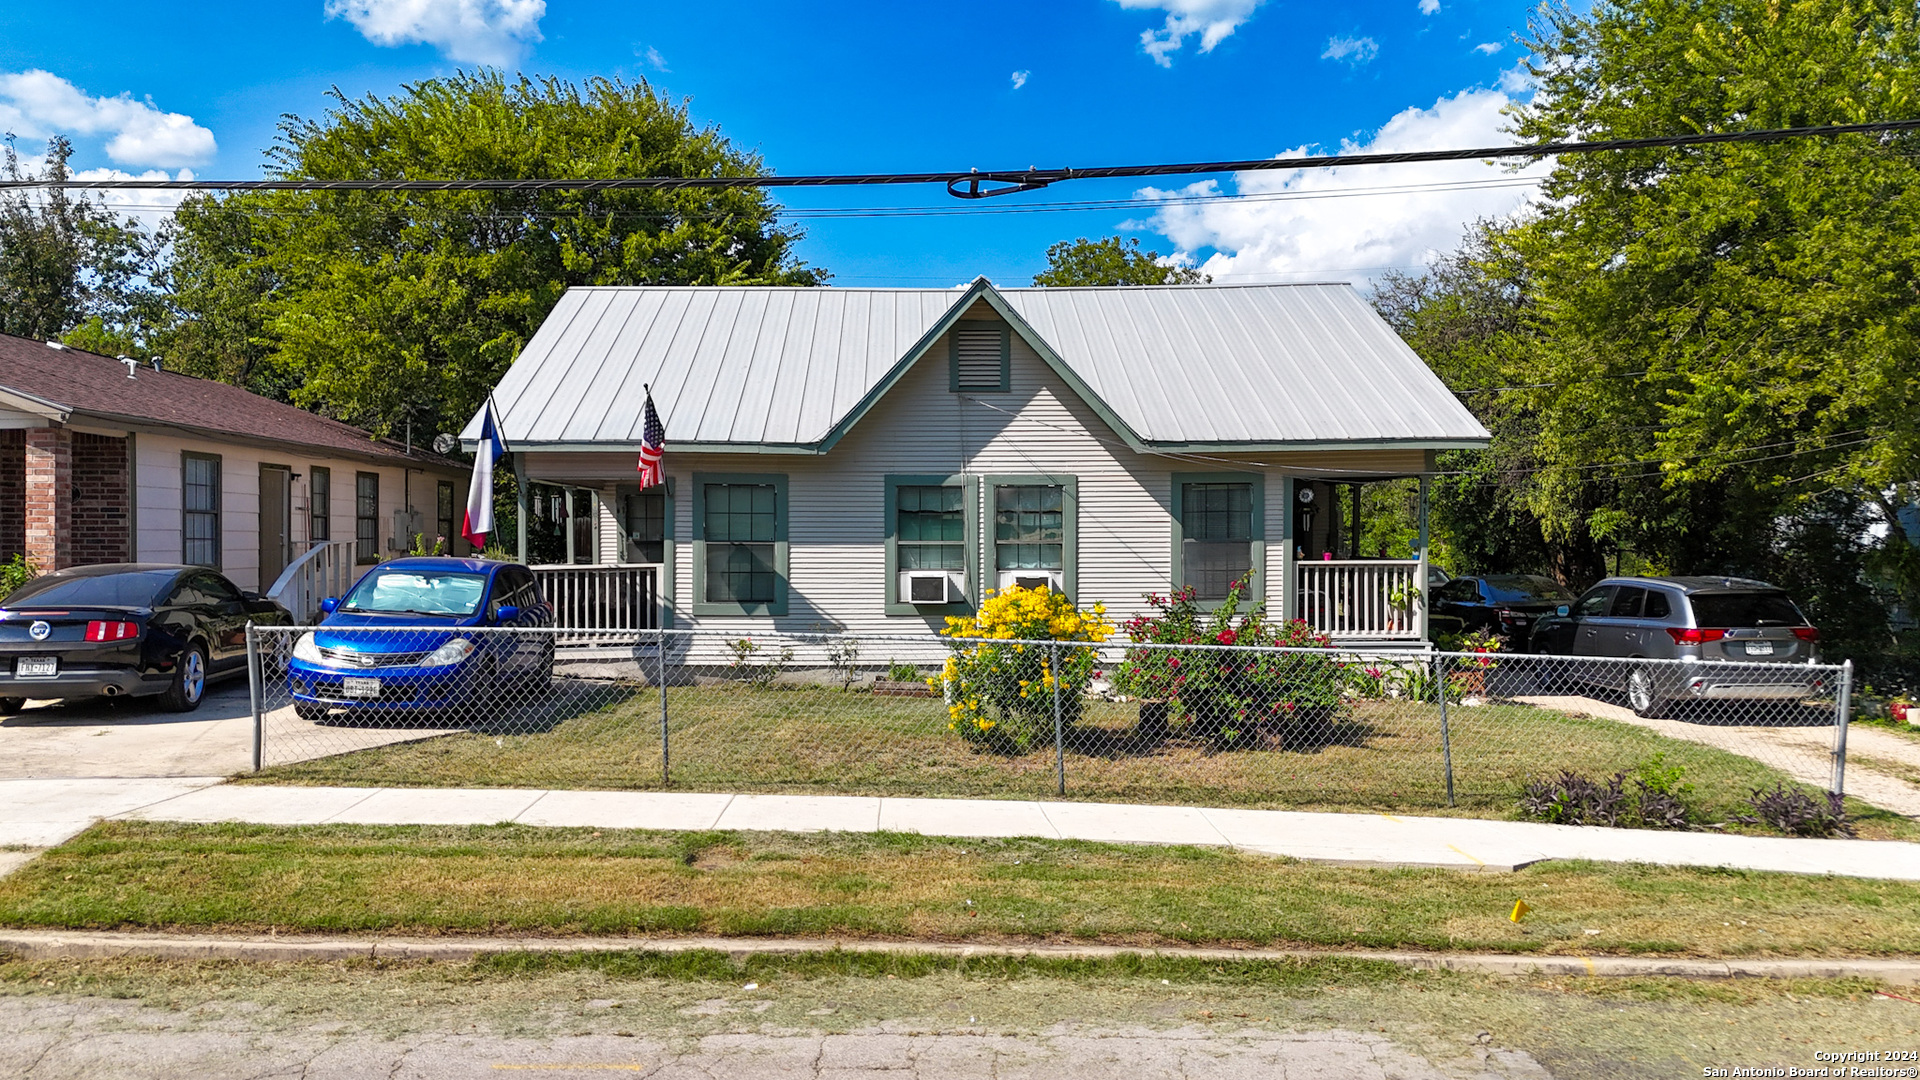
[58,945]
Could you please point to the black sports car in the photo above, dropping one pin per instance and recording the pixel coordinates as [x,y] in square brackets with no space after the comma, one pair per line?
[134,629]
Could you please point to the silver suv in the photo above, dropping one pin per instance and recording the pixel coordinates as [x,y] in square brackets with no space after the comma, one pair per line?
[1707,620]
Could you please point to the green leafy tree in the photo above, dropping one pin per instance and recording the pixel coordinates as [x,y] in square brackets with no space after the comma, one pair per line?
[383,307]
[67,263]
[1111,261]
[1743,314]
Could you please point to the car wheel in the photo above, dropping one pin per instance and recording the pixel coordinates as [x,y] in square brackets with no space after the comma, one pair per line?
[1644,697]
[11,705]
[311,712]
[540,679]
[189,683]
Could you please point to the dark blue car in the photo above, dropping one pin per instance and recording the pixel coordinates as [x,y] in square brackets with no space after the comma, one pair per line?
[403,640]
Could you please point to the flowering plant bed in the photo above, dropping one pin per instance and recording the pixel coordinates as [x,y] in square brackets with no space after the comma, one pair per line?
[1001,694]
[1237,689]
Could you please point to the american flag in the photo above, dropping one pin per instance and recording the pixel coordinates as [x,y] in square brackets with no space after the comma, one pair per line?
[653,447]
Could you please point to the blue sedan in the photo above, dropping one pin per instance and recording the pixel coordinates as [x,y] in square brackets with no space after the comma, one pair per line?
[403,640]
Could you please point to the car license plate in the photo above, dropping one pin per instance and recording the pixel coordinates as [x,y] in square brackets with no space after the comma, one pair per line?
[1759,648]
[36,667]
[355,687]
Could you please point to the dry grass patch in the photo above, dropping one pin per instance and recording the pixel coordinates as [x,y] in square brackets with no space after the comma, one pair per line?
[519,879]
[1380,756]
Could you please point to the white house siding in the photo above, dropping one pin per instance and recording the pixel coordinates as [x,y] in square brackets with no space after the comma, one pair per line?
[836,501]
[158,500]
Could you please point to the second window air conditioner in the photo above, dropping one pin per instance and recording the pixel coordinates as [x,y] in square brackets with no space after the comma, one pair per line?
[1032,579]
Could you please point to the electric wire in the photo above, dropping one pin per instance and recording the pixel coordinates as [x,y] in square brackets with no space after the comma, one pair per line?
[968,183]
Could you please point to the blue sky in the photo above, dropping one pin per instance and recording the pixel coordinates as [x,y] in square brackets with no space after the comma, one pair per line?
[849,86]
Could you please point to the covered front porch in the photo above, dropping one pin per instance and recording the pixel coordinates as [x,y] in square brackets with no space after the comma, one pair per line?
[604,556]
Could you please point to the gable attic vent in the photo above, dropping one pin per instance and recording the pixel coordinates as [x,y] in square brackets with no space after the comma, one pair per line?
[980,356]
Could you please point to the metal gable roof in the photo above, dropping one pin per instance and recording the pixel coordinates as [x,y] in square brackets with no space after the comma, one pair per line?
[792,368]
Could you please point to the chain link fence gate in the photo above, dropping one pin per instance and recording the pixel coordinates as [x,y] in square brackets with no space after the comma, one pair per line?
[916,716]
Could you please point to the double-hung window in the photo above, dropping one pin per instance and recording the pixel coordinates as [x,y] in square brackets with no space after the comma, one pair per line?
[366,517]
[319,504]
[1219,536]
[1033,523]
[930,544]
[200,509]
[740,550]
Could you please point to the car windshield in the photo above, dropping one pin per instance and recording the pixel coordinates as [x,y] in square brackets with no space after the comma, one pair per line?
[133,589]
[1518,588]
[1729,610]
[417,592]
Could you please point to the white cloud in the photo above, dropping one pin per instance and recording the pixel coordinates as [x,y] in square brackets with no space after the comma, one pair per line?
[655,60]
[1488,48]
[1355,51]
[1299,232]
[472,31]
[39,104]
[1428,7]
[1020,79]
[1213,20]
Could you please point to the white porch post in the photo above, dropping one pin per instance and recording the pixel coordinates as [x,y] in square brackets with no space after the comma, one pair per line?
[1289,577]
[522,502]
[1420,574]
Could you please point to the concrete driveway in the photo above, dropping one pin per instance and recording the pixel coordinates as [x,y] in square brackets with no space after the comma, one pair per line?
[133,737]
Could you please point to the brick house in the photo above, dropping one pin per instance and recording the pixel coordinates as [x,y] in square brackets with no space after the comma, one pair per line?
[105,460]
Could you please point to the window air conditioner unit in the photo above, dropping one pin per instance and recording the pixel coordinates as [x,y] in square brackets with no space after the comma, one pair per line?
[926,587]
[1032,579]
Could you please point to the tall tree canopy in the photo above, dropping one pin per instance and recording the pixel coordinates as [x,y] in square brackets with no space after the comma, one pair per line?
[1111,261]
[384,308]
[1705,356]
[1743,315]
[69,264]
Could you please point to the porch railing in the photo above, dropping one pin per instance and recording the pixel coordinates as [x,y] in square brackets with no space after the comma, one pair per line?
[591,600]
[1363,599]
[327,569]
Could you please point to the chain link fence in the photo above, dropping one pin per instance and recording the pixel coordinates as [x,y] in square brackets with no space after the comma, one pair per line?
[914,716]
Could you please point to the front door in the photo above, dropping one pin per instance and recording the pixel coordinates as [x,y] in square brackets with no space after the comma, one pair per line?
[276,522]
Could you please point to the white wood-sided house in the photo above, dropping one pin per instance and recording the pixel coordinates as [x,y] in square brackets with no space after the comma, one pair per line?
[873,460]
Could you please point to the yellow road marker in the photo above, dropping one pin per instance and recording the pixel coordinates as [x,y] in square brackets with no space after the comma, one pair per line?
[1521,909]
[1469,855]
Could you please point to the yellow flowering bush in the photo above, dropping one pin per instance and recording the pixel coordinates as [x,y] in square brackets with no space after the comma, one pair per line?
[999,691]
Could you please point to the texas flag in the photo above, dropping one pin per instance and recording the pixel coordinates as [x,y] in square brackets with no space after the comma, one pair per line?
[479,521]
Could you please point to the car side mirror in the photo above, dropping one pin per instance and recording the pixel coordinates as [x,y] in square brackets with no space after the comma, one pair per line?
[1562,610]
[330,604]
[507,612]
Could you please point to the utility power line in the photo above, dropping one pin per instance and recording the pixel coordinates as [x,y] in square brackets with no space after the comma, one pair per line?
[975,184]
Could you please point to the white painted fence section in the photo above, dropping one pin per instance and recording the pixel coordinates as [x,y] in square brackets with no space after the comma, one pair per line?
[600,598]
[1354,599]
[325,570]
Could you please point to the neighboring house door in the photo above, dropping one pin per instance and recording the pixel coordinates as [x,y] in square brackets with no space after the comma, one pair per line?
[276,522]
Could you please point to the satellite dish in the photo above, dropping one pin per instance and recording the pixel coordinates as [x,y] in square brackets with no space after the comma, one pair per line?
[444,444]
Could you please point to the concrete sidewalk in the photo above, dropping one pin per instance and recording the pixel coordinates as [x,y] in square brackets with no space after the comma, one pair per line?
[40,813]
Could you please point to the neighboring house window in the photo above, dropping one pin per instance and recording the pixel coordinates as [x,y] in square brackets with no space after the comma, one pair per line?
[979,354]
[319,504]
[444,500]
[1219,536]
[1033,519]
[366,517]
[200,509]
[740,550]
[646,515]
[930,544]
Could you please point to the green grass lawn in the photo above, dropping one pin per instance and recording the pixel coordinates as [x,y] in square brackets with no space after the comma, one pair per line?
[519,879]
[1378,756]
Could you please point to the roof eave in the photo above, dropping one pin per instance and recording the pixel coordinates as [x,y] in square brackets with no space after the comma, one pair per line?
[34,405]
